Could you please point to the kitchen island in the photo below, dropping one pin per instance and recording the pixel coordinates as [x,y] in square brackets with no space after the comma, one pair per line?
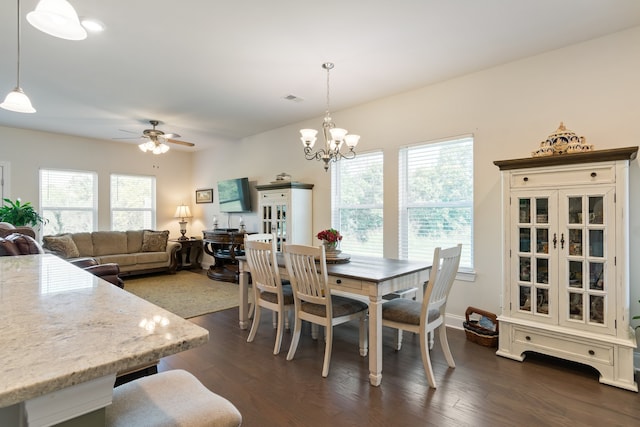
[64,336]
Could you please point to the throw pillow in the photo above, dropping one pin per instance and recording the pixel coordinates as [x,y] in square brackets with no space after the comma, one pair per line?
[61,245]
[154,241]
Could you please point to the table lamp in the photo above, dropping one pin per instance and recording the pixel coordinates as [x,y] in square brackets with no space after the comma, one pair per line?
[183,212]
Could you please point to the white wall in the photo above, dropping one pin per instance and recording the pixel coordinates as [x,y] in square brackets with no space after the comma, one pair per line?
[593,87]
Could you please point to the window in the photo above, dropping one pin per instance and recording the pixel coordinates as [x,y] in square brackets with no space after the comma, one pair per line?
[133,202]
[356,205]
[436,199]
[69,201]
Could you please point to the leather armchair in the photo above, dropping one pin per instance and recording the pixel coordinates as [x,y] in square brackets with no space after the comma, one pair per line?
[109,272]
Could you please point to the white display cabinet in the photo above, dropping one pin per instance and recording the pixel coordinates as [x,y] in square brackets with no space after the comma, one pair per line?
[566,261]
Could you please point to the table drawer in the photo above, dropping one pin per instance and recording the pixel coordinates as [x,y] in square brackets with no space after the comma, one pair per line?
[563,346]
[343,282]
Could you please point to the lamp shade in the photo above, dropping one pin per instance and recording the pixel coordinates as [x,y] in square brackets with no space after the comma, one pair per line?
[57,18]
[17,101]
[182,212]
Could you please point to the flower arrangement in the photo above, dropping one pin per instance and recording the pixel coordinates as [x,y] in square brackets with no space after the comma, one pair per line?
[330,235]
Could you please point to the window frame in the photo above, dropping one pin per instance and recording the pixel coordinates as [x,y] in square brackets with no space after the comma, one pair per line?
[152,209]
[465,271]
[93,209]
[337,206]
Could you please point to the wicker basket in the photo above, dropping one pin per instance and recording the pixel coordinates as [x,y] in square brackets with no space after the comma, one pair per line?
[478,334]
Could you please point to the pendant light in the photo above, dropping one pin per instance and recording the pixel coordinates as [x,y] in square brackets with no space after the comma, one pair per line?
[57,18]
[17,100]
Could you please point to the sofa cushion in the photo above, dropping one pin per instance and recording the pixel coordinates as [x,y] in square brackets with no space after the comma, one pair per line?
[109,242]
[154,241]
[151,257]
[84,242]
[26,245]
[121,259]
[61,245]
[134,241]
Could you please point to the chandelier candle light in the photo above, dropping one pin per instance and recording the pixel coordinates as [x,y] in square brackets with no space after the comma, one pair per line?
[183,212]
[334,138]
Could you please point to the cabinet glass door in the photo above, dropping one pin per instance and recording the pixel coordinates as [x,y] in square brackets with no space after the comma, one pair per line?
[586,287]
[533,263]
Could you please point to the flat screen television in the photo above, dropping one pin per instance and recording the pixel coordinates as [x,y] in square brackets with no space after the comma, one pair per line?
[234,195]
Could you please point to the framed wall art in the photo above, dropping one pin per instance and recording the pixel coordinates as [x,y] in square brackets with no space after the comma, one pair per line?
[204,196]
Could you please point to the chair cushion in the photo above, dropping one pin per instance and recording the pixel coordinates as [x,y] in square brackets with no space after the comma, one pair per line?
[287,294]
[61,245]
[170,398]
[154,241]
[407,311]
[342,306]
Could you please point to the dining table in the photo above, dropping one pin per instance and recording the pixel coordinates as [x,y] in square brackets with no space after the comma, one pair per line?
[368,278]
[66,334]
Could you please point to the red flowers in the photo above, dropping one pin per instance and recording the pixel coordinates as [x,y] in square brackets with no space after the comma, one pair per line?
[330,235]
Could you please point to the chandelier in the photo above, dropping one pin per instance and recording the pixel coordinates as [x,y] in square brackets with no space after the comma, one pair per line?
[334,138]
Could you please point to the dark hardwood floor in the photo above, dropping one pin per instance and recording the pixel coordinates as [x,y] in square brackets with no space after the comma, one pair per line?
[483,389]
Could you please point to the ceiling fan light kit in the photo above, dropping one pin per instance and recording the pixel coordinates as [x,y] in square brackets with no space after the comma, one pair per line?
[58,19]
[157,139]
[334,138]
[17,100]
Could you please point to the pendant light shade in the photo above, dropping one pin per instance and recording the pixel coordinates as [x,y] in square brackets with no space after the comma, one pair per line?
[17,101]
[57,18]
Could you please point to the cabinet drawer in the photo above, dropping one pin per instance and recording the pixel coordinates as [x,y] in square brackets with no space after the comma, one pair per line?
[564,347]
[598,174]
[274,196]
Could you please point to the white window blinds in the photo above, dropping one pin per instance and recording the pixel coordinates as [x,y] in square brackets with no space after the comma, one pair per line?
[133,202]
[436,199]
[68,200]
[357,203]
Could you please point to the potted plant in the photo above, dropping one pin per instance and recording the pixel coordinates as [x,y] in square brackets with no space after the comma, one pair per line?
[20,214]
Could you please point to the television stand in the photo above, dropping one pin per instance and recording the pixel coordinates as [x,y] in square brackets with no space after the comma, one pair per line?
[224,245]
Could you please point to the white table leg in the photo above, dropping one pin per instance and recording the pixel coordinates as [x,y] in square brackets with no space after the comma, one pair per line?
[243,287]
[375,340]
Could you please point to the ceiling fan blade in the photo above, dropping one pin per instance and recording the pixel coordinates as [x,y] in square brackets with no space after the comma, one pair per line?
[175,141]
[128,131]
[130,137]
[170,135]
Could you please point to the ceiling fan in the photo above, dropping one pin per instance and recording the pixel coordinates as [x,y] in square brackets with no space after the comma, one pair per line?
[157,138]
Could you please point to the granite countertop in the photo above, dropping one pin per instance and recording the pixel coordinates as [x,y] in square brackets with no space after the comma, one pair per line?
[61,326]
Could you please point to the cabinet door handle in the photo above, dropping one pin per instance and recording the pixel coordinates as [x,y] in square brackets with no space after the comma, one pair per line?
[593,174]
[562,241]
[525,179]
[555,240]
[528,338]
[591,352]
[338,281]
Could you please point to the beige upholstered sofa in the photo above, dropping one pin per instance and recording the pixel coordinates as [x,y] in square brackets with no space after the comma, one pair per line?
[135,251]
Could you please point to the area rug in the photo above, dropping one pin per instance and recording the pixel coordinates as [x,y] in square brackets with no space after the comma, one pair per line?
[185,293]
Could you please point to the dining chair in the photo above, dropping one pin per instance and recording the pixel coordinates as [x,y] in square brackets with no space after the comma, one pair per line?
[307,269]
[268,289]
[425,317]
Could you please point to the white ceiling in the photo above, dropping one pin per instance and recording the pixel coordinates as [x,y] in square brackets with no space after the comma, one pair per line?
[219,70]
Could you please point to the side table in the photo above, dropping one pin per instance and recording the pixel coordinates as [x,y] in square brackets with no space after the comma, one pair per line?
[190,255]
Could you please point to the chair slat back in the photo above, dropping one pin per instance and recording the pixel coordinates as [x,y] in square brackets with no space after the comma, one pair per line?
[259,237]
[261,257]
[308,278]
[443,274]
